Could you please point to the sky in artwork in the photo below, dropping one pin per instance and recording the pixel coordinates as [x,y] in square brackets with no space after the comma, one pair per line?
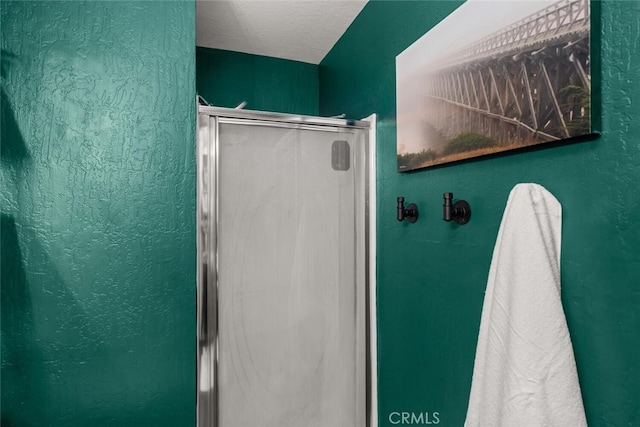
[472,21]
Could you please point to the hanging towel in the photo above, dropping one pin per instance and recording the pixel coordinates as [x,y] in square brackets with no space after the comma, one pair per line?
[525,373]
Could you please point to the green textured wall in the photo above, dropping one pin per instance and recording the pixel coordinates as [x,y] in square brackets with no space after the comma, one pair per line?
[98,213]
[432,274]
[225,79]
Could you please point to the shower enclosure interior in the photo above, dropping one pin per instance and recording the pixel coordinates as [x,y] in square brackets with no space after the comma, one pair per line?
[284,270]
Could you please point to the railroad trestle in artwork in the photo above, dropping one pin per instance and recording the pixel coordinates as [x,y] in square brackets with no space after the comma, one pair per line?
[525,84]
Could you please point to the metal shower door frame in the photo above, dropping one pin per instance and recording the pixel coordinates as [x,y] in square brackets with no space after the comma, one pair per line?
[207,146]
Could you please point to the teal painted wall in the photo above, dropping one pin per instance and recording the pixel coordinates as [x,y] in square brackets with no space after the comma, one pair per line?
[98,213]
[225,79]
[432,275]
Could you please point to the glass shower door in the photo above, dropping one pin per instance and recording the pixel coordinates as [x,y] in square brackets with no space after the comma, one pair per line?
[290,235]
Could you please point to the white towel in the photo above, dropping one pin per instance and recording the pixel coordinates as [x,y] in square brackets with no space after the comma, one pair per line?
[525,372]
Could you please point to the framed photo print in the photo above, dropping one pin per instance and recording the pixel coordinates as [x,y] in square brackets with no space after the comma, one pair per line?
[493,76]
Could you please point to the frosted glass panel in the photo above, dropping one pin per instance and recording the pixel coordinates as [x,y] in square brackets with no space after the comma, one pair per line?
[289,298]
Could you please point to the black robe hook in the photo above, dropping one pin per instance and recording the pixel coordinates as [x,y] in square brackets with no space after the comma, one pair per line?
[410,213]
[459,211]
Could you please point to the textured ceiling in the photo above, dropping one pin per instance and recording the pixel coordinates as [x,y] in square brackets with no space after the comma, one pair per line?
[300,30]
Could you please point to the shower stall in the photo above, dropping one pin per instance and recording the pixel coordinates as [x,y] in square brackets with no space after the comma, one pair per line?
[285,270]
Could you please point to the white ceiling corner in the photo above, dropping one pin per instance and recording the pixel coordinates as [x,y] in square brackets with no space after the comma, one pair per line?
[299,30]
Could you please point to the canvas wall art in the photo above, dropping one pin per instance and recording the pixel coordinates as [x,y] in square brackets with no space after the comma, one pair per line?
[494,76]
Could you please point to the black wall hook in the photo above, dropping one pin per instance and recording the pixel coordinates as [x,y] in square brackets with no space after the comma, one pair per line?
[410,213]
[459,211]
